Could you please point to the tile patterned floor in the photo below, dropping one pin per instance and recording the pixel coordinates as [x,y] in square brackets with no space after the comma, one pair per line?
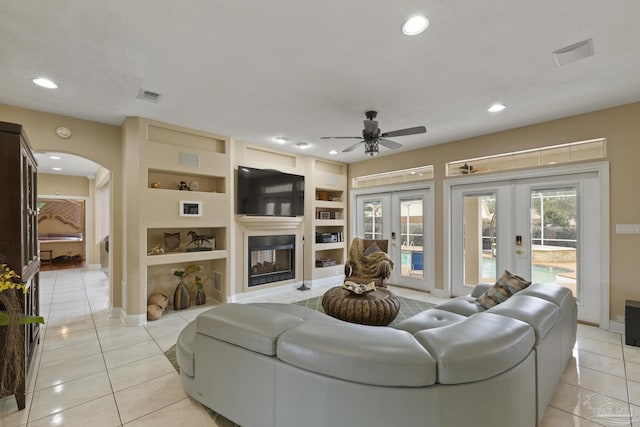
[91,370]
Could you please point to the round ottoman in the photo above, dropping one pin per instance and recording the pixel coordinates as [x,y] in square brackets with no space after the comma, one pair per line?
[376,308]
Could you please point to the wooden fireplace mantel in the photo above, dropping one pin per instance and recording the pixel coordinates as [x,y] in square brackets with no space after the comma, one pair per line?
[269,222]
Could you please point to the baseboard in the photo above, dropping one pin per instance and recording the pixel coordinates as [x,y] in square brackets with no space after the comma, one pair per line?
[327,281]
[94,266]
[616,326]
[261,292]
[245,296]
[115,312]
[133,319]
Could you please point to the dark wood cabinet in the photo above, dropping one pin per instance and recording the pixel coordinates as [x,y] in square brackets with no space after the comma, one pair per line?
[19,232]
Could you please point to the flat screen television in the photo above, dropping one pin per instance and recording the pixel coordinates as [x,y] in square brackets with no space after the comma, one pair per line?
[268,192]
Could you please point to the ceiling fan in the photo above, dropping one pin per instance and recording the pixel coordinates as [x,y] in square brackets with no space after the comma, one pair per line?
[467,169]
[371,136]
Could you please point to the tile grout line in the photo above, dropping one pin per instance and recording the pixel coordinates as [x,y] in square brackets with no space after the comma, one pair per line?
[626,380]
[41,342]
[104,361]
[106,371]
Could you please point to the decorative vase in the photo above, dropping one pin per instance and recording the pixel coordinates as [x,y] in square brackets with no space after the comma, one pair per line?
[201,298]
[172,241]
[181,296]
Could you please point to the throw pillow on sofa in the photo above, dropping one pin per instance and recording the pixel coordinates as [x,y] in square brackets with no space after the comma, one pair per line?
[507,285]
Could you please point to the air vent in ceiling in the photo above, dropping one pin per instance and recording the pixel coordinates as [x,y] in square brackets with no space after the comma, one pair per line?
[573,53]
[147,95]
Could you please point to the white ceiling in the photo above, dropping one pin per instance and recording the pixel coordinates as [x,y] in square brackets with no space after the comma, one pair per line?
[68,164]
[256,69]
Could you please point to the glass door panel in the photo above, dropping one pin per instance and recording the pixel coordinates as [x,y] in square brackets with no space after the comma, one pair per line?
[548,232]
[411,237]
[373,219]
[401,218]
[479,238]
[554,236]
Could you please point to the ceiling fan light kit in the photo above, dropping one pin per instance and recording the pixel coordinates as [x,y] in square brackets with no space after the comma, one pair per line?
[372,137]
[371,147]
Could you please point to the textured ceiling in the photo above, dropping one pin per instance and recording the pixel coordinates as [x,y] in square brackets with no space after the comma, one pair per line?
[255,69]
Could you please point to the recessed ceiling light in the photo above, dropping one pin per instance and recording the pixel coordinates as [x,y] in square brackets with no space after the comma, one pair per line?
[281,139]
[415,25]
[46,83]
[55,157]
[57,169]
[303,145]
[496,108]
[333,152]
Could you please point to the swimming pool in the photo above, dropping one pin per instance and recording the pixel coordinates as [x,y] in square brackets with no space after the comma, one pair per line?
[539,273]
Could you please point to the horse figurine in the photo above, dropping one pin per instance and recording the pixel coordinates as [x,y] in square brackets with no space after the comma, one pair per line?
[199,240]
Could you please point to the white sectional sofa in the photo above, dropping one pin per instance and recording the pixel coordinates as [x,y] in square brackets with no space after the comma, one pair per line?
[456,365]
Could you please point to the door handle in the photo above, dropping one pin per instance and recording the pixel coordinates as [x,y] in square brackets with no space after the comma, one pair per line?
[519,251]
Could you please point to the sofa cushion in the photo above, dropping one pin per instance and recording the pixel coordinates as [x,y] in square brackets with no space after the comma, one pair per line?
[363,354]
[480,289]
[295,310]
[507,285]
[540,314]
[479,347]
[252,327]
[184,350]
[429,319]
[558,295]
[464,305]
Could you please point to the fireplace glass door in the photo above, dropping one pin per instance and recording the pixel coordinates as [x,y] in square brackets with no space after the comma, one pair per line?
[271,259]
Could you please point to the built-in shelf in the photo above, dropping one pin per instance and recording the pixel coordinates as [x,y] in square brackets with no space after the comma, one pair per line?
[169,180]
[184,178]
[329,246]
[330,223]
[178,257]
[163,238]
[329,209]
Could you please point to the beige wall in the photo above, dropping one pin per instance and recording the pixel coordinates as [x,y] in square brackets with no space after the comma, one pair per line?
[63,185]
[621,127]
[78,187]
[95,141]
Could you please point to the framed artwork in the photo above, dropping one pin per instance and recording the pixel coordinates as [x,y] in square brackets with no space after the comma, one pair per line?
[325,215]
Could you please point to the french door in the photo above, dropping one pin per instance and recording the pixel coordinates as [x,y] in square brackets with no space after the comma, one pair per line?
[405,219]
[545,229]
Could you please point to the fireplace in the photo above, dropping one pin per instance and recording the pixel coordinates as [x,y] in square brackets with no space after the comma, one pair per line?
[271,259]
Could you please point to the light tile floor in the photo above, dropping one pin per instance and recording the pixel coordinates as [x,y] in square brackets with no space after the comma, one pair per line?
[90,370]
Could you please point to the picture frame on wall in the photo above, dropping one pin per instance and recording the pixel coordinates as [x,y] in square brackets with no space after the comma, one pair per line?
[190,208]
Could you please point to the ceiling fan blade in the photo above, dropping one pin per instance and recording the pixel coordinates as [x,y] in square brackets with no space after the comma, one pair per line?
[340,137]
[389,143]
[351,148]
[403,132]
